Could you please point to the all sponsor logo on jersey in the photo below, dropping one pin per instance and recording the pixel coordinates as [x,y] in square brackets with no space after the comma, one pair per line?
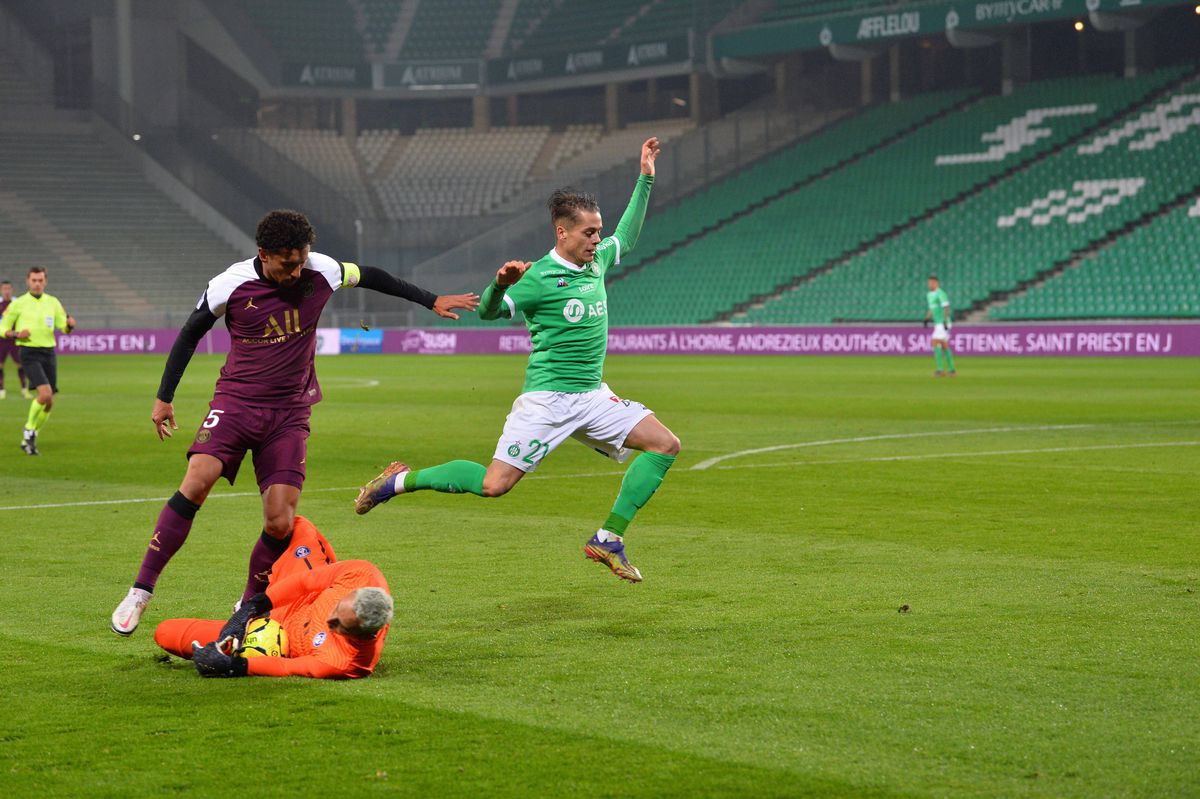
[303,552]
[318,639]
[562,282]
[587,287]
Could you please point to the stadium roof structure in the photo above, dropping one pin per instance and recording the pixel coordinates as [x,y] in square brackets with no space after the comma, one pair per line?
[856,34]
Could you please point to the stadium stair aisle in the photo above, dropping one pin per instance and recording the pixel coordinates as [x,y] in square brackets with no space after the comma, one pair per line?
[1022,225]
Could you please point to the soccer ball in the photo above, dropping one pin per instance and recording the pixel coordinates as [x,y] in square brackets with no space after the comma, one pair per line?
[264,636]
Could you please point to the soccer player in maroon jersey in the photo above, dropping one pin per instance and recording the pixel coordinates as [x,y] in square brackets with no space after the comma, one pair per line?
[8,347]
[265,393]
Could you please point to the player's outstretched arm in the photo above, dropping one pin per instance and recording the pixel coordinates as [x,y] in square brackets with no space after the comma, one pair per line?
[384,282]
[200,322]
[492,303]
[629,229]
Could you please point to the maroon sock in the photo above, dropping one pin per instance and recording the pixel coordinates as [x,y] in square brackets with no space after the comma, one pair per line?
[169,534]
[267,550]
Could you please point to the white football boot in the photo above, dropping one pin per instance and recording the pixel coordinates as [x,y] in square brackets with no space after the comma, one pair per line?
[128,615]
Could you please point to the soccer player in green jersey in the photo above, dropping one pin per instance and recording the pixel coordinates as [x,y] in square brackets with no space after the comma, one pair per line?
[566,309]
[939,312]
[31,320]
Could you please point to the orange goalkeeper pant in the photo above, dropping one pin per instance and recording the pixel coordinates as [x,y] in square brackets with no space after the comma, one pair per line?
[308,549]
[176,635]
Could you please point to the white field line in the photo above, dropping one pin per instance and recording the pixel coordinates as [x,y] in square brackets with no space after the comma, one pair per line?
[705,464]
[880,459]
[986,453]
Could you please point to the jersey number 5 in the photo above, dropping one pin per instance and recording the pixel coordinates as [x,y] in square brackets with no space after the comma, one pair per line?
[213,418]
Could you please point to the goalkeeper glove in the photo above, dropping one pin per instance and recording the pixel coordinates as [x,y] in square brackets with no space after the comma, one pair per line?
[212,662]
[252,608]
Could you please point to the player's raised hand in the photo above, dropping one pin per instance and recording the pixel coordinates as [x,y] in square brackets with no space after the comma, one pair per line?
[444,304]
[650,151]
[511,272]
[163,417]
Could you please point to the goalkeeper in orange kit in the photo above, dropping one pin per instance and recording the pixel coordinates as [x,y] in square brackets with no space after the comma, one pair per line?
[336,615]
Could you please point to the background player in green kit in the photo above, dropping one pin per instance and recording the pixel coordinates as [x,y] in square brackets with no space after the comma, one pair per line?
[566,309]
[939,339]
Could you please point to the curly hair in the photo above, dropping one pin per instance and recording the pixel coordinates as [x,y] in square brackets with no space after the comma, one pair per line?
[567,203]
[284,229]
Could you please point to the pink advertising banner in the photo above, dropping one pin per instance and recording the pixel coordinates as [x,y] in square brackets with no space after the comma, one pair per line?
[1107,339]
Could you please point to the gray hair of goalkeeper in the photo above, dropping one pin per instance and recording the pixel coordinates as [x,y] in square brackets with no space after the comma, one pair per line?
[374,608]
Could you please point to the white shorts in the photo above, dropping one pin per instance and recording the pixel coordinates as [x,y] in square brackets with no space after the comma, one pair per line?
[940,333]
[541,420]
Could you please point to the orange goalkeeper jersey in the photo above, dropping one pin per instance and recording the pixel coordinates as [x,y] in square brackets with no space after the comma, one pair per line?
[301,603]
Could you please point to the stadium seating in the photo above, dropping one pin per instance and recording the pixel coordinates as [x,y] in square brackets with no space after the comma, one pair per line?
[543,25]
[67,202]
[458,172]
[673,17]
[449,172]
[379,20]
[322,30]
[754,185]
[1024,224]
[15,90]
[325,154]
[1152,272]
[450,30]
[888,187]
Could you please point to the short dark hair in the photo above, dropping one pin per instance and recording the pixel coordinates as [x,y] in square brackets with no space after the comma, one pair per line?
[933,277]
[284,229]
[5,282]
[35,269]
[567,203]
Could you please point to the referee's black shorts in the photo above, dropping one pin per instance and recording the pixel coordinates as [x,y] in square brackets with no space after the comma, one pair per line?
[41,366]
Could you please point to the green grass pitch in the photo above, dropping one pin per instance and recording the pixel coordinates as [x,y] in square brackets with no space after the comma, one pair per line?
[1038,517]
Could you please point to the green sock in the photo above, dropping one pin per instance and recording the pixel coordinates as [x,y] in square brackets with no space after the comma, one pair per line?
[641,480]
[937,356]
[37,416]
[454,477]
[949,356]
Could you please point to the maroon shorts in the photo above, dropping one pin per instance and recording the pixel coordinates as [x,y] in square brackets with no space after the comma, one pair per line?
[9,349]
[278,437]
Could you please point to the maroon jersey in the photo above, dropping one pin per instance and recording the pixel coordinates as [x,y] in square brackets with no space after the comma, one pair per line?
[4,306]
[273,330]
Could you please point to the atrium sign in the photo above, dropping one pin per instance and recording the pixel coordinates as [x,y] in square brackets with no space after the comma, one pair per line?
[592,61]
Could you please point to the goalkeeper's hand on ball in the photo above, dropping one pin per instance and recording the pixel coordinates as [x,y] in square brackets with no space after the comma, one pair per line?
[212,662]
[252,608]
